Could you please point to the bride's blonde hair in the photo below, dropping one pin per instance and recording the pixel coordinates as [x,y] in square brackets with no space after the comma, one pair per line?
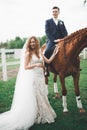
[37,46]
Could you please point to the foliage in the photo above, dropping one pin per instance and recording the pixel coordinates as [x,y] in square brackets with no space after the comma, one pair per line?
[16,43]
[3,45]
[19,42]
[85,2]
[42,40]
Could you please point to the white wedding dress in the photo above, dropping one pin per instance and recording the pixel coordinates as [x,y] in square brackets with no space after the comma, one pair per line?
[30,102]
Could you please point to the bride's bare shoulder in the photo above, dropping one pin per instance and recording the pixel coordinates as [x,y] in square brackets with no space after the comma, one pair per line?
[27,53]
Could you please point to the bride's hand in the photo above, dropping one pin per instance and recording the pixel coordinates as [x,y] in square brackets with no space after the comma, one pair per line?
[39,65]
[58,40]
[55,50]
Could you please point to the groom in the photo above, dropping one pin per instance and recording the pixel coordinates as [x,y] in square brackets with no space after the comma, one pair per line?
[55,30]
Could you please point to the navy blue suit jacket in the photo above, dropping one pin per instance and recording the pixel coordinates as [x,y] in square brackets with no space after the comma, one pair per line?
[53,32]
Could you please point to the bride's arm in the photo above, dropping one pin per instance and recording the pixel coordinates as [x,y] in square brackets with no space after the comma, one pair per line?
[26,63]
[29,66]
[48,61]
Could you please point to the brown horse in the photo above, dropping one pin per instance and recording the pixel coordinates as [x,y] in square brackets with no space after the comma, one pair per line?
[67,62]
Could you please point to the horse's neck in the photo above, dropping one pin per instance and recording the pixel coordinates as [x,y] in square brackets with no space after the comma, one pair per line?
[77,42]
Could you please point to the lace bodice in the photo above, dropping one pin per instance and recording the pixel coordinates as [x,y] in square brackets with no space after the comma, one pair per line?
[37,70]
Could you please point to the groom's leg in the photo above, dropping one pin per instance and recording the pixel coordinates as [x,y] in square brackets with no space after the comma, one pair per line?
[46,73]
[48,53]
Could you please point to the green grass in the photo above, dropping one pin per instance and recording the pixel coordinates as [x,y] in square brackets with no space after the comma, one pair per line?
[71,121]
[6,94]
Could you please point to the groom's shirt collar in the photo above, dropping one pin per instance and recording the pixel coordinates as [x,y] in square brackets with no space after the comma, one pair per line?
[55,20]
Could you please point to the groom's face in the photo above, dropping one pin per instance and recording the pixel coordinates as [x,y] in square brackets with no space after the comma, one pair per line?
[55,13]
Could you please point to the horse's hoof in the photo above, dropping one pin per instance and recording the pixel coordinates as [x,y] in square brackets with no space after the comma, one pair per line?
[81,110]
[65,112]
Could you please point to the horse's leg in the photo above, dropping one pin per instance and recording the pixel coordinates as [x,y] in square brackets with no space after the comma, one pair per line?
[77,91]
[46,84]
[64,92]
[57,95]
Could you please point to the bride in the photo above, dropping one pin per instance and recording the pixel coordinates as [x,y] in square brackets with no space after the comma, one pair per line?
[30,102]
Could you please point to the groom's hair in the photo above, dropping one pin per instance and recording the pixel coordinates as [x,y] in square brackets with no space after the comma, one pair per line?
[56,7]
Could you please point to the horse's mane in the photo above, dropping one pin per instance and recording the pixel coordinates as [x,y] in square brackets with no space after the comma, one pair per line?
[74,35]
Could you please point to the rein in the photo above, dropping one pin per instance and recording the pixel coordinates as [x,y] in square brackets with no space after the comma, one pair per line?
[65,56]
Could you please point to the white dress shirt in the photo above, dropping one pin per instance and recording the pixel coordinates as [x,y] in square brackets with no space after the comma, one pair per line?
[55,20]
